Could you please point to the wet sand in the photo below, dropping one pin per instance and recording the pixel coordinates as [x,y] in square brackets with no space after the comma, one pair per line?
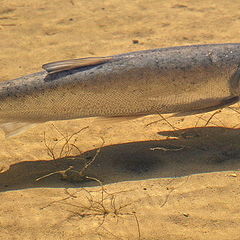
[161,180]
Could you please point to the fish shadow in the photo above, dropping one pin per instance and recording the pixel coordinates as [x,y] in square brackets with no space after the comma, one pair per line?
[185,152]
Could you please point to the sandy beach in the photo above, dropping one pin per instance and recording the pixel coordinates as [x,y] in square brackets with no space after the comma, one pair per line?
[150,178]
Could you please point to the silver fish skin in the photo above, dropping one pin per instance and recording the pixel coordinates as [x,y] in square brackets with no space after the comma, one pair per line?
[182,80]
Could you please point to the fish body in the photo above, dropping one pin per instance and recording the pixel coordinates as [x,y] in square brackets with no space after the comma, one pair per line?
[180,80]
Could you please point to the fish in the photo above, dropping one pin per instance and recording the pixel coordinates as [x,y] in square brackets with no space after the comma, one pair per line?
[180,80]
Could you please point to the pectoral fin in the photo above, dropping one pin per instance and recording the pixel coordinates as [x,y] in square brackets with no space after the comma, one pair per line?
[14,128]
[59,66]
[219,104]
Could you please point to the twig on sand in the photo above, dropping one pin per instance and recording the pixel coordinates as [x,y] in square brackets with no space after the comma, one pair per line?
[165,119]
[237,111]
[66,151]
[68,144]
[166,149]
[103,206]
[92,204]
[211,117]
[138,226]
[98,205]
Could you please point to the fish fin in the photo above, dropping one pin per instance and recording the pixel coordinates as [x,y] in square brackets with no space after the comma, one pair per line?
[14,128]
[59,66]
[111,120]
[220,104]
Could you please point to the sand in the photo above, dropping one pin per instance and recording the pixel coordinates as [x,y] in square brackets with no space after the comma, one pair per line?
[161,180]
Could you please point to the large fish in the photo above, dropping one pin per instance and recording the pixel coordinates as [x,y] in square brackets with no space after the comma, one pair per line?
[182,80]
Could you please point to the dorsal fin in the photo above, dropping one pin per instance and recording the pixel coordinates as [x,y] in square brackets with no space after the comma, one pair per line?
[59,66]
